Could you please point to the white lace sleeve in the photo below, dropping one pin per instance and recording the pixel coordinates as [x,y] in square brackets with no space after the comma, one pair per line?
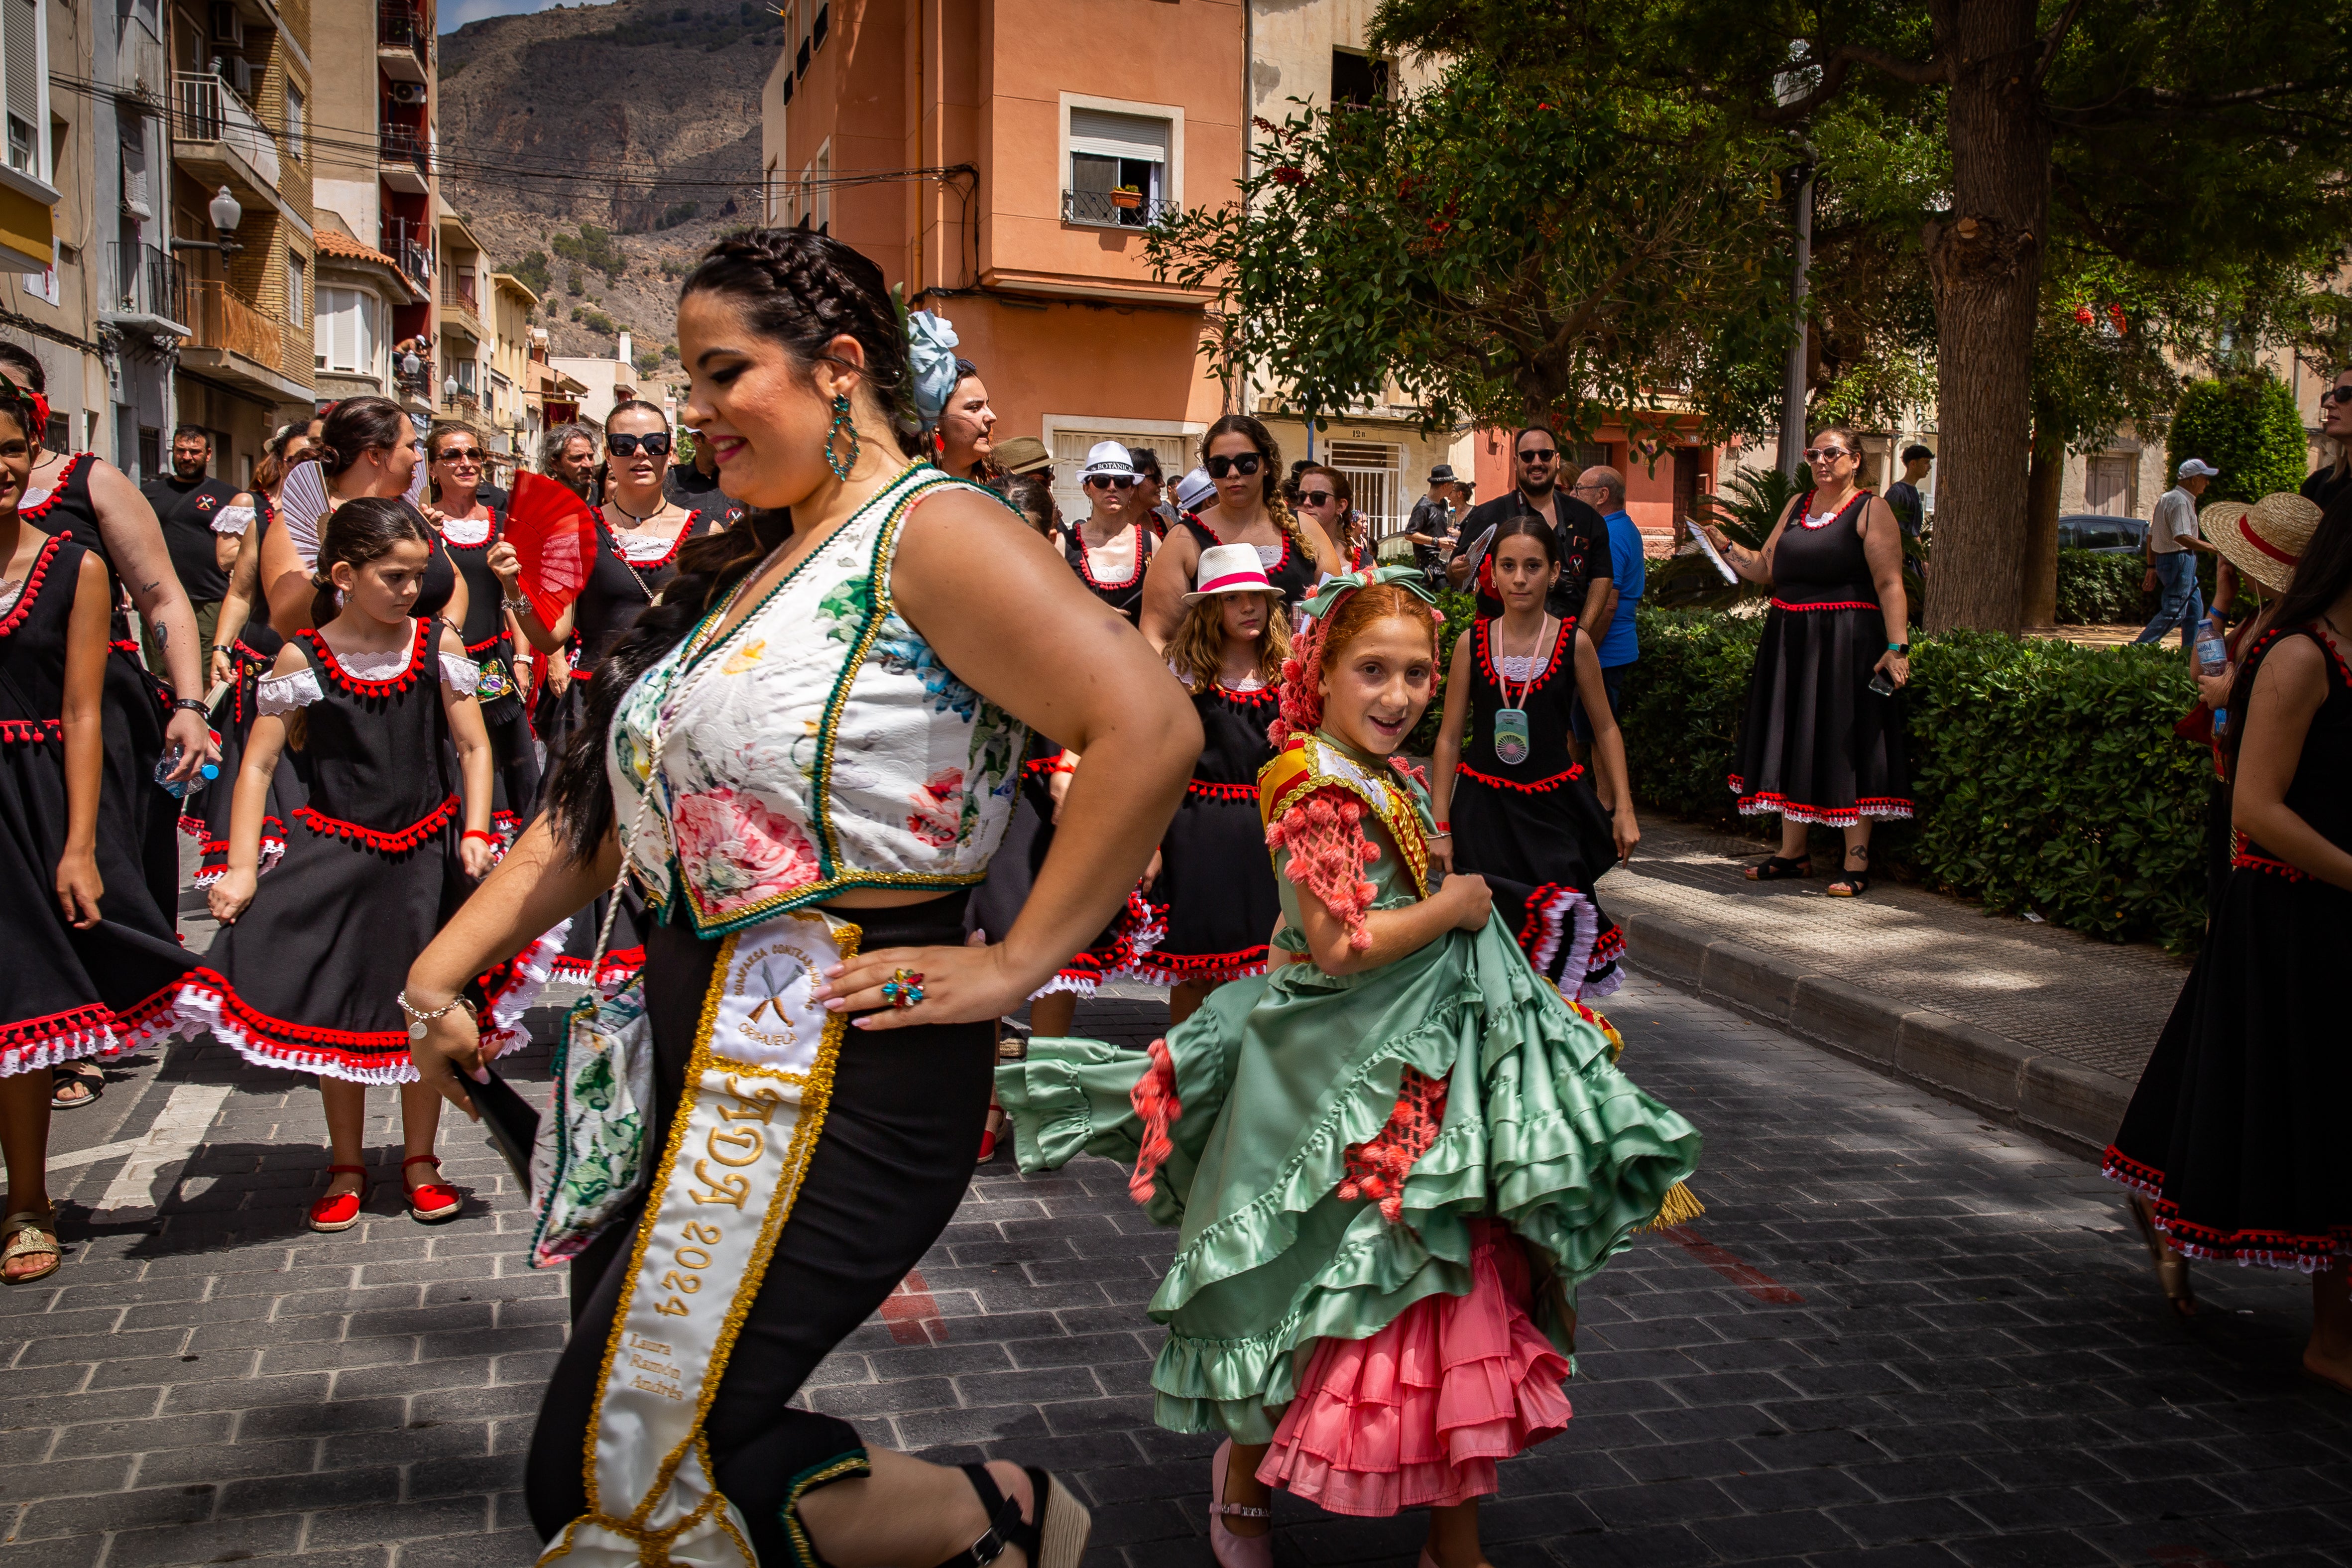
[460,675]
[232,520]
[284,693]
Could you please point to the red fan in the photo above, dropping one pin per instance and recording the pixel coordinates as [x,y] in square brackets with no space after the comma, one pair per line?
[554,534]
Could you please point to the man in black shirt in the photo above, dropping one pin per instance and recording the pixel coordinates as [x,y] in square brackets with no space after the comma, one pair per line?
[187,503]
[1583,535]
[1426,529]
[1903,498]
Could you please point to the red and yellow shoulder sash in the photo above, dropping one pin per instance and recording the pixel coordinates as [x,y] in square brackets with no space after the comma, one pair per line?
[1306,764]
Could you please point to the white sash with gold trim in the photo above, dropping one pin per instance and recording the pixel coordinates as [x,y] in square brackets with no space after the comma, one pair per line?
[756,1088]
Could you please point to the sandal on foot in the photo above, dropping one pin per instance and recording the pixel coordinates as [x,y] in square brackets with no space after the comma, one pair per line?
[2171,1268]
[83,1076]
[1849,885]
[1056,1538]
[430,1202]
[340,1211]
[29,1234]
[1777,867]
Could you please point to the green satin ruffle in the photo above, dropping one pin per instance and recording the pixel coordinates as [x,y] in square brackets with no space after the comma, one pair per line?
[1277,1076]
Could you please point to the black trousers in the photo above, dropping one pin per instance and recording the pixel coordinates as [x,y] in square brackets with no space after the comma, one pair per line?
[890,1165]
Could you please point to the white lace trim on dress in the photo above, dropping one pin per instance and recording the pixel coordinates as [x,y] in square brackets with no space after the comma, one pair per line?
[284,693]
[232,520]
[465,529]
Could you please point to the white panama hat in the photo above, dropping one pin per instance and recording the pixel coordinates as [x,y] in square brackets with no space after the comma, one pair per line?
[1230,569]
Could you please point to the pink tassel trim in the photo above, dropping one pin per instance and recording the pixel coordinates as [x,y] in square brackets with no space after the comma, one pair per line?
[1155,1102]
[1324,835]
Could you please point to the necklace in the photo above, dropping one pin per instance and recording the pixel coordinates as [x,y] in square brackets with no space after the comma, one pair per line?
[633,517]
[1513,740]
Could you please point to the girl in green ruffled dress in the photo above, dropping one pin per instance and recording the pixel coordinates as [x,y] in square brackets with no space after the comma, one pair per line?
[1391,1159]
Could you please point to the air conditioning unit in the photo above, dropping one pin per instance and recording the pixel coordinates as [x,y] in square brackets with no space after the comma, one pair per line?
[408,92]
[228,24]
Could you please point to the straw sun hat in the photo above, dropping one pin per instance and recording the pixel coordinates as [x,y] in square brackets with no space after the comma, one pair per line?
[2261,539]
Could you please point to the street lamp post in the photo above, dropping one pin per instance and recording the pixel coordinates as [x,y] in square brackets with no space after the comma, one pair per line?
[227,215]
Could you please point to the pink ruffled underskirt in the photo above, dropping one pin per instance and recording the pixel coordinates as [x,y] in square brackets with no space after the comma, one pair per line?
[1416,1416]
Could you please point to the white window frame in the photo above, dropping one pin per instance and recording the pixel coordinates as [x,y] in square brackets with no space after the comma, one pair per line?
[1171,112]
[297,124]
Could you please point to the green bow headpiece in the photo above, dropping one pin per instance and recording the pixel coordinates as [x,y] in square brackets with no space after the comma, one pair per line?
[1327,595]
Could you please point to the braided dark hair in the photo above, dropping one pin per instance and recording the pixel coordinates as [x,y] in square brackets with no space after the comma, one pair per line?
[354,427]
[799,290]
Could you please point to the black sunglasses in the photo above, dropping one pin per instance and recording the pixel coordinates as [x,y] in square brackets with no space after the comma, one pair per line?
[1540,455]
[2336,394]
[1314,497]
[1247,463]
[655,445]
[1109,482]
[460,455]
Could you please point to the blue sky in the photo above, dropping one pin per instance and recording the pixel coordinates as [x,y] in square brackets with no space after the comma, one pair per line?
[455,14]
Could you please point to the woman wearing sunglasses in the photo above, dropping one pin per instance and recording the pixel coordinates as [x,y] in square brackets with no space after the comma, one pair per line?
[638,532]
[1245,466]
[1108,550]
[1821,740]
[469,529]
[1329,501]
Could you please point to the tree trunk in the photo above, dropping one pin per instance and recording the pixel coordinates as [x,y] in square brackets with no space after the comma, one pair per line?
[2044,481]
[1984,264]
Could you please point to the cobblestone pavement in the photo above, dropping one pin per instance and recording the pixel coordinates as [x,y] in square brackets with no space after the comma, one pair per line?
[1898,1337]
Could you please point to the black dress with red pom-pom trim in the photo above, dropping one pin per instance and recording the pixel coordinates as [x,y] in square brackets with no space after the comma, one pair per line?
[70,993]
[307,975]
[2236,1132]
[1533,828]
[250,656]
[1126,594]
[1216,892]
[1816,745]
[514,752]
[1293,573]
[131,810]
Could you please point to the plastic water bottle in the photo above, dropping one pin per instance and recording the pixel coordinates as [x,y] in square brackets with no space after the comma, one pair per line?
[179,791]
[2212,658]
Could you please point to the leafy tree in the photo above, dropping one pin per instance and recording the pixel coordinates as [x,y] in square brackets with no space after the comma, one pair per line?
[2171,137]
[571,284]
[1497,251]
[2249,427]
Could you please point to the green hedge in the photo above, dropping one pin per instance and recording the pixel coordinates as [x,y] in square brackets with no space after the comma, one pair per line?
[2247,427]
[2101,587]
[2047,776]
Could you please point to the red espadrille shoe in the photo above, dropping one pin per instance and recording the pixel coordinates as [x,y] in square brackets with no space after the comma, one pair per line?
[340,1211]
[429,1203]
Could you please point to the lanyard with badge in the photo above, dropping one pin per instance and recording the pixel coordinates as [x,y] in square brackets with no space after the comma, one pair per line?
[1512,738]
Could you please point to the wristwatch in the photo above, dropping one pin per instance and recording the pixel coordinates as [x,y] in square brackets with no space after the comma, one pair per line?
[1902,648]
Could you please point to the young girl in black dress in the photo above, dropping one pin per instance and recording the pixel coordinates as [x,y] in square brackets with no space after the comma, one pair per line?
[1512,804]
[2233,1144]
[92,966]
[306,970]
[1215,890]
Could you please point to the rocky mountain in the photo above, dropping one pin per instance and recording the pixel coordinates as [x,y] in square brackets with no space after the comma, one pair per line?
[596,151]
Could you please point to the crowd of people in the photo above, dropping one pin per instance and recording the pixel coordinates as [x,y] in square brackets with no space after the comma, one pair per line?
[830,760]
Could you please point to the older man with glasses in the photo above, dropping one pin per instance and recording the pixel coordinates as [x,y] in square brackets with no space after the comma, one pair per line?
[1584,582]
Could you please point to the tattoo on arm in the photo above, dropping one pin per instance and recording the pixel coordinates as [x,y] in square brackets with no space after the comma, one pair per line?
[151,585]
[162,635]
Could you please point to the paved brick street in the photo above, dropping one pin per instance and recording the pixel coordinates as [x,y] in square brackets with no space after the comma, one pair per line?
[1898,1337]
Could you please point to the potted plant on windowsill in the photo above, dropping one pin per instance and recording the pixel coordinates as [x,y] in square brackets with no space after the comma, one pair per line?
[1128,198]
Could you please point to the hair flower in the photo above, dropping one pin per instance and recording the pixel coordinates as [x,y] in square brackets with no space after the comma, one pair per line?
[930,364]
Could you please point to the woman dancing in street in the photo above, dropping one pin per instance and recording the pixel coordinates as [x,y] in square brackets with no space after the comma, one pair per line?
[1390,1159]
[1822,737]
[2233,1142]
[1215,892]
[896,616]
[1246,466]
[1512,805]
[383,847]
[92,966]
[640,534]
[469,532]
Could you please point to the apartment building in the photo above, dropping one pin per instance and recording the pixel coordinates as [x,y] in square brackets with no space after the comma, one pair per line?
[239,192]
[361,292]
[510,419]
[47,300]
[377,72]
[465,338]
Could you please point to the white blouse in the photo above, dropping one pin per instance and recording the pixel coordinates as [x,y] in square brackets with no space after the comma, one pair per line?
[284,693]
[467,530]
[232,520]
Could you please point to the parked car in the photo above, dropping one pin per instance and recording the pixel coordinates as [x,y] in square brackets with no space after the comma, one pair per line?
[2108,535]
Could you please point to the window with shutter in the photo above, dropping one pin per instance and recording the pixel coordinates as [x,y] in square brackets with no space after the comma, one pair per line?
[1111,153]
[20,82]
[136,201]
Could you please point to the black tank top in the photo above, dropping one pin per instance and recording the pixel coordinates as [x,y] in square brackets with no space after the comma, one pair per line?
[69,510]
[484,630]
[1125,596]
[33,634]
[1234,745]
[618,591]
[1825,565]
[371,756]
[1294,574]
[1546,700]
[2318,793]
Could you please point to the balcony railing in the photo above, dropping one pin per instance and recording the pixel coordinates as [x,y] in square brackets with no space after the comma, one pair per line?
[464,402]
[1103,209]
[410,245]
[399,25]
[222,320]
[456,295]
[405,145]
[147,281]
[209,110]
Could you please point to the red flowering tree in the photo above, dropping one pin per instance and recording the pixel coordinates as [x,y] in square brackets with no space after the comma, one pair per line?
[1494,251]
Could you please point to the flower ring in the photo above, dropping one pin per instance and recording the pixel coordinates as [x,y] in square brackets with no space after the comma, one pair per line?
[904,988]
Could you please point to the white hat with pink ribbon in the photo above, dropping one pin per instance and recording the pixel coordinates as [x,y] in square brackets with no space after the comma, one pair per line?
[1230,569]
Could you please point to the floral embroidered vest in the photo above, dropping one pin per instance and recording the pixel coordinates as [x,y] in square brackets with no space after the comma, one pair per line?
[819,746]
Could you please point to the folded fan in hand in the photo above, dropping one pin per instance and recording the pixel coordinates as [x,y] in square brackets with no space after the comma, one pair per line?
[554,534]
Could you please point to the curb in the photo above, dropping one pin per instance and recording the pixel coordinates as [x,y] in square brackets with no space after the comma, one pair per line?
[2061,1102]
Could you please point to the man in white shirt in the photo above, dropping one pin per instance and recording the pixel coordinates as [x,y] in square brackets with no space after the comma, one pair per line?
[2171,568]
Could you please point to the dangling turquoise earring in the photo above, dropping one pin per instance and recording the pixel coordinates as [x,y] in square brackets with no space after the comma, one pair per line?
[841,421]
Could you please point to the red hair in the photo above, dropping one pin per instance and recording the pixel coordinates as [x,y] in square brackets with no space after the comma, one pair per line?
[1312,653]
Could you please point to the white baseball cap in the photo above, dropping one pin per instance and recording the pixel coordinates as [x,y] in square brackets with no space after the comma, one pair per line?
[1108,459]
[1230,569]
[2199,469]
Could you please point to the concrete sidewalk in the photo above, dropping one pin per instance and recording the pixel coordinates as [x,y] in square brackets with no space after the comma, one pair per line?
[2035,1028]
